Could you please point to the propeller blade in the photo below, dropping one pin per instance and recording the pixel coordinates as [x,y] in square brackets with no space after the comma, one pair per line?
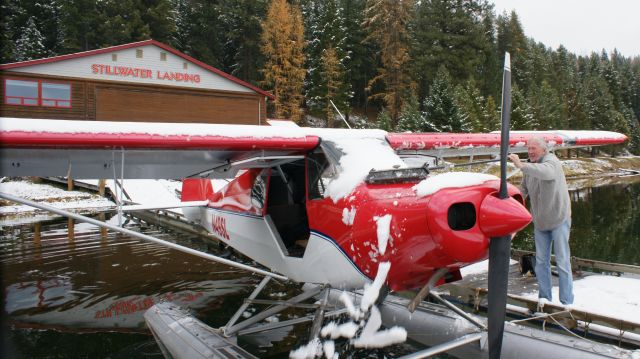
[506,116]
[500,247]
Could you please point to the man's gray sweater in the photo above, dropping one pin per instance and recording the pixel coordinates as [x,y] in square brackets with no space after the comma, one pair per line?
[546,187]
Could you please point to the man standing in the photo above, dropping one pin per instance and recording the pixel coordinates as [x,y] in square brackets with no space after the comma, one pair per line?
[543,181]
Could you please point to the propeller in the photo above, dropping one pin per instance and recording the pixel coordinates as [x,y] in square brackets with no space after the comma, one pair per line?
[500,246]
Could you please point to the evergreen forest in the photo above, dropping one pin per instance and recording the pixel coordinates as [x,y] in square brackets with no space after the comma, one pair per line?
[410,65]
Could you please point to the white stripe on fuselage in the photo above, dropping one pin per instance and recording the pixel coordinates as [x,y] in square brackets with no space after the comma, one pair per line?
[257,238]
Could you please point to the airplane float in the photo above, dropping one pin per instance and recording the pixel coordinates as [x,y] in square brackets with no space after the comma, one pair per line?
[321,206]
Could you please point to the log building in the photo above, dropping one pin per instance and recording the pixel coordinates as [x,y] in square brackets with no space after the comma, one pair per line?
[140,81]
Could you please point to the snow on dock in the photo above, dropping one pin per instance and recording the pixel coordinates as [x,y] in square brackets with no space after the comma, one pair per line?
[54,196]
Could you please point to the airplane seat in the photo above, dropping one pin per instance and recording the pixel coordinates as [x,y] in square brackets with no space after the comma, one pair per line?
[286,206]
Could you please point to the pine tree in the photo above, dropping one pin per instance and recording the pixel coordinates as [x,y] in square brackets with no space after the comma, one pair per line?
[491,116]
[597,103]
[283,46]
[442,112]
[360,59]
[159,17]
[200,30]
[449,33]
[325,29]
[522,117]
[411,118]
[511,38]
[8,26]
[30,45]
[471,105]
[120,22]
[546,107]
[80,21]
[387,22]
[243,38]
[18,19]
[333,75]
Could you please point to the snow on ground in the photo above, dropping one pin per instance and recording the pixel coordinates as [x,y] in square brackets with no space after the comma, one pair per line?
[611,296]
[51,195]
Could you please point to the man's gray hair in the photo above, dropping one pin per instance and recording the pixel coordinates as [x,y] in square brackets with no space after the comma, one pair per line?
[540,142]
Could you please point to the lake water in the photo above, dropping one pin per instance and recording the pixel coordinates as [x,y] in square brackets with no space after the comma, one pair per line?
[82,293]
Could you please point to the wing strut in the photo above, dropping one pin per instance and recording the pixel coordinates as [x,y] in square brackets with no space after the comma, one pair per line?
[135,234]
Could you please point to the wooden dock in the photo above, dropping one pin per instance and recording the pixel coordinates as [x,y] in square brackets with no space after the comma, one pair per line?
[472,291]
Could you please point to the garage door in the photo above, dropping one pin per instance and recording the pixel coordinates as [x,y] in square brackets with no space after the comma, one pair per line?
[117,104]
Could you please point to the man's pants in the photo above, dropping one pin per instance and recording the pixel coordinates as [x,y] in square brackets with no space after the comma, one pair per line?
[559,236]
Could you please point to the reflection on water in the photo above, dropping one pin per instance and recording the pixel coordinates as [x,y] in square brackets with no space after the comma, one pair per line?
[87,285]
[605,224]
[81,292]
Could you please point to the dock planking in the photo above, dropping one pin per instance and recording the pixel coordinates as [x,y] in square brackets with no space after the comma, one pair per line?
[472,291]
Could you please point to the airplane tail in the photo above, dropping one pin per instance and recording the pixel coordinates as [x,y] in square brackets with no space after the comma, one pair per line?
[196,189]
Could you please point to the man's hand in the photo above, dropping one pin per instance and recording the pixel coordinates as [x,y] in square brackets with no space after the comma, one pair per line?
[516,160]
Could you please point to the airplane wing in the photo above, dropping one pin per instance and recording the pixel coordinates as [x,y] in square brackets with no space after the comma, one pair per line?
[96,149]
[442,145]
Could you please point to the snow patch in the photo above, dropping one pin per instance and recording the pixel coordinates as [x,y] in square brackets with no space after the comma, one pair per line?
[372,290]
[371,337]
[611,296]
[383,226]
[348,215]
[479,267]
[360,155]
[333,330]
[433,184]
[309,351]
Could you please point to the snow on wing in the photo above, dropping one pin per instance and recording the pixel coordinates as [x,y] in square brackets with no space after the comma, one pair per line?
[93,150]
[458,144]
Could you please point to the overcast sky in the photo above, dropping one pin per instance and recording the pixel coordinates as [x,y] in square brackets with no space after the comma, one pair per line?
[582,26]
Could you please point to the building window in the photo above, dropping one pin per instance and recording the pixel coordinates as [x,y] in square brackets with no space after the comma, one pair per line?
[17,92]
[37,93]
[163,56]
[56,94]
[114,57]
[184,65]
[139,53]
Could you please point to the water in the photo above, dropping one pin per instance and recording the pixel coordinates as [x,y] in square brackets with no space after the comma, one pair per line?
[82,293]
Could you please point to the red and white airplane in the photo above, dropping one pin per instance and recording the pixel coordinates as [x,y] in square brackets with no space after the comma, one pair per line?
[315,205]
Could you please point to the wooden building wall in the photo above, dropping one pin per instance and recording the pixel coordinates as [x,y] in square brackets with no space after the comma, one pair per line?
[117,101]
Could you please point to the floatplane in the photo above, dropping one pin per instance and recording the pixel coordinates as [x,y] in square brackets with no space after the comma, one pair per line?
[320,206]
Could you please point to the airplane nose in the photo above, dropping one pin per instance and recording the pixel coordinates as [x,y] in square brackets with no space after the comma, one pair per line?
[500,217]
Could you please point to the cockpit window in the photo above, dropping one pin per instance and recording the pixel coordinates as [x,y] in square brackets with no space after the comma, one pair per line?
[321,171]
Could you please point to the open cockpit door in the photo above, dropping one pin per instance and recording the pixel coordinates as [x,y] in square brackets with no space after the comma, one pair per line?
[286,197]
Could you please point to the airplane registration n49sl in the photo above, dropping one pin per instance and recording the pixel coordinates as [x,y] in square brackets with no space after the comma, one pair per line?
[319,206]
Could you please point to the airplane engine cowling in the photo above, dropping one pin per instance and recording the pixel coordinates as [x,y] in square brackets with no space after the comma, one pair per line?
[461,220]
